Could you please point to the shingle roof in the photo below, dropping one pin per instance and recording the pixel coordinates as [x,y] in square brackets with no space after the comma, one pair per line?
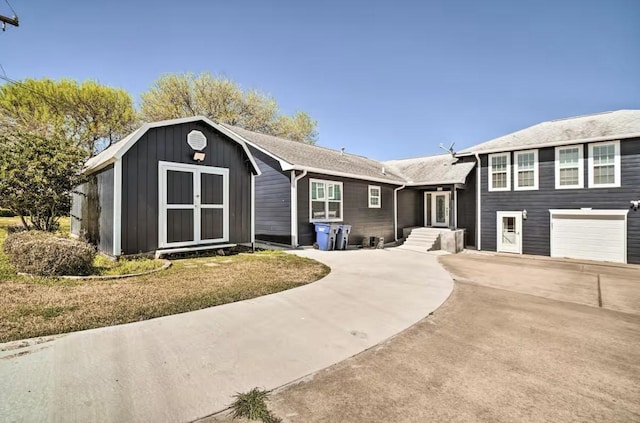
[431,170]
[618,124]
[307,156]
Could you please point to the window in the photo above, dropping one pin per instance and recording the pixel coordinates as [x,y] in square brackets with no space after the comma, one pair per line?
[569,167]
[326,201]
[374,197]
[604,164]
[526,170]
[500,172]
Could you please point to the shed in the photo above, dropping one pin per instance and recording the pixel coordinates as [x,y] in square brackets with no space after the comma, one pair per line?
[175,185]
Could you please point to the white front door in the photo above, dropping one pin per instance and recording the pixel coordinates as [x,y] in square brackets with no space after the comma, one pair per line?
[509,232]
[440,208]
[194,204]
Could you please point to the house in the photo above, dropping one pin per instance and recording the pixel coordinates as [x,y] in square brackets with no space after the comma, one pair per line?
[303,184]
[562,188]
[176,185]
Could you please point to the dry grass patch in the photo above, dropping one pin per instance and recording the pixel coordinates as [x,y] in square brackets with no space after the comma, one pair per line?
[31,307]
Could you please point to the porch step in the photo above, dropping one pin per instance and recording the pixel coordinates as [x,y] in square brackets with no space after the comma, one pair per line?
[423,239]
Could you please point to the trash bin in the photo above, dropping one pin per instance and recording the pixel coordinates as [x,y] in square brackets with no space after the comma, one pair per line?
[342,239]
[326,236]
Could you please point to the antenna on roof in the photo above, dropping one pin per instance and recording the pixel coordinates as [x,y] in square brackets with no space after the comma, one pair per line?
[450,149]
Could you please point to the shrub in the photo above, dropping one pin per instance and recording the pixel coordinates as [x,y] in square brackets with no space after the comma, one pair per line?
[7,213]
[41,253]
[15,229]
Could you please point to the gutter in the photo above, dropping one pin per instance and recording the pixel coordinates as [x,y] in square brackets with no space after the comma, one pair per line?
[342,174]
[479,202]
[395,211]
[294,206]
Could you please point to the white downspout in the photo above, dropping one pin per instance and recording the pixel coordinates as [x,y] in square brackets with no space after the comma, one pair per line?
[253,210]
[395,211]
[294,206]
[479,202]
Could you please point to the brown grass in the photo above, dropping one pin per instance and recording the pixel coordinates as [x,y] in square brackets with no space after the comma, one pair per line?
[31,307]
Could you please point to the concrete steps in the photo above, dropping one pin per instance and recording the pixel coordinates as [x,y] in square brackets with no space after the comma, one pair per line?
[423,239]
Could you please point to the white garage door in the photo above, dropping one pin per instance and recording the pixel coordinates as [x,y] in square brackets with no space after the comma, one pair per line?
[589,234]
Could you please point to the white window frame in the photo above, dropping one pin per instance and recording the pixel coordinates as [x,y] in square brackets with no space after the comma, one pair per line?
[371,196]
[580,184]
[490,181]
[616,163]
[326,200]
[516,181]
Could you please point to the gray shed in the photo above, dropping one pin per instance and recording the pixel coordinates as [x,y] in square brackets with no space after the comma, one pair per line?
[176,185]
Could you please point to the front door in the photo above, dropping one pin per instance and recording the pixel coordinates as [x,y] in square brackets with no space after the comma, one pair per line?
[440,209]
[509,232]
[193,205]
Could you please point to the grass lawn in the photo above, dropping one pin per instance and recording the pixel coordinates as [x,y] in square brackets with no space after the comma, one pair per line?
[31,307]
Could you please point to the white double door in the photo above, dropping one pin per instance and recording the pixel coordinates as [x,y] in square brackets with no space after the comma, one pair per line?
[193,204]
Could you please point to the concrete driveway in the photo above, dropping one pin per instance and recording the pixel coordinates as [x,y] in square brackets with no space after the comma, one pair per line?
[184,367]
[598,284]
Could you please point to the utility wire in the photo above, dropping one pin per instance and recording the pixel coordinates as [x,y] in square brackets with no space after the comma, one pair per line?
[12,11]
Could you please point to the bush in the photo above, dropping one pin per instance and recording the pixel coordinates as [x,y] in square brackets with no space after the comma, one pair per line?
[41,253]
[13,229]
[7,213]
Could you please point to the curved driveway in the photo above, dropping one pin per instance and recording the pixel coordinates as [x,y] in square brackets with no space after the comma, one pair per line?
[183,367]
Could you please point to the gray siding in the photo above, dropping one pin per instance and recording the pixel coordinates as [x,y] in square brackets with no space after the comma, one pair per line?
[140,182]
[536,229]
[467,207]
[273,200]
[410,209]
[92,210]
[365,221]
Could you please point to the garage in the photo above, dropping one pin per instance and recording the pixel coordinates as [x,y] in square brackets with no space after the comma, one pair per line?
[589,234]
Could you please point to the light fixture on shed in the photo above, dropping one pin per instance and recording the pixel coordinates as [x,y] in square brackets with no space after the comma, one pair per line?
[198,156]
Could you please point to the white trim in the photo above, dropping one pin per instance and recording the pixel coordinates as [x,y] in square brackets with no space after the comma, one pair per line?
[580,184]
[117,150]
[516,169]
[588,212]
[373,206]
[518,228]
[395,211]
[326,200]
[472,151]
[197,171]
[253,208]
[117,208]
[616,163]
[159,252]
[455,208]
[479,201]
[490,174]
[294,206]
[345,175]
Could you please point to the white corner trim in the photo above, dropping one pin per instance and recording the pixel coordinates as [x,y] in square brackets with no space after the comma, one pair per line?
[490,172]
[516,169]
[617,166]
[580,184]
[479,202]
[294,205]
[395,210]
[253,208]
[117,208]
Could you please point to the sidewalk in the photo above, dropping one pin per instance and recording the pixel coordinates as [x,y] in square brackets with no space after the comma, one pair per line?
[183,367]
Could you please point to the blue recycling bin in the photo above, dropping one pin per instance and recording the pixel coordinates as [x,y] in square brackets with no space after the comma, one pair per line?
[326,236]
[342,238]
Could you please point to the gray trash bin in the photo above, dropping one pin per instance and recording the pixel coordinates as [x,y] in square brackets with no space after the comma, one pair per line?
[342,239]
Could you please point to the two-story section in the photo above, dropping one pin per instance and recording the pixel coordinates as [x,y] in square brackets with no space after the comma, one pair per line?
[563,188]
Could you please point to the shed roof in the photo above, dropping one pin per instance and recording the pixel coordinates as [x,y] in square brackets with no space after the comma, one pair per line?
[604,126]
[117,150]
[431,170]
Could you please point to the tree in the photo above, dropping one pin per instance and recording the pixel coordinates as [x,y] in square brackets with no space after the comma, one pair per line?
[91,115]
[37,175]
[221,99]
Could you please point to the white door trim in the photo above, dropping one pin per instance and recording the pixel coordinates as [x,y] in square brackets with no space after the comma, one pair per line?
[518,228]
[197,206]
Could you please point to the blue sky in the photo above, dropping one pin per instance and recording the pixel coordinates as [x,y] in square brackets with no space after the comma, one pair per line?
[386,79]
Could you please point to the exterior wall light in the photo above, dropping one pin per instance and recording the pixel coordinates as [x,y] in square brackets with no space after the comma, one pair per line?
[635,205]
[198,156]
[524,214]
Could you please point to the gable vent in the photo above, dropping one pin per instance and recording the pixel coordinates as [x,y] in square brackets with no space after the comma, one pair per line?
[197,140]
